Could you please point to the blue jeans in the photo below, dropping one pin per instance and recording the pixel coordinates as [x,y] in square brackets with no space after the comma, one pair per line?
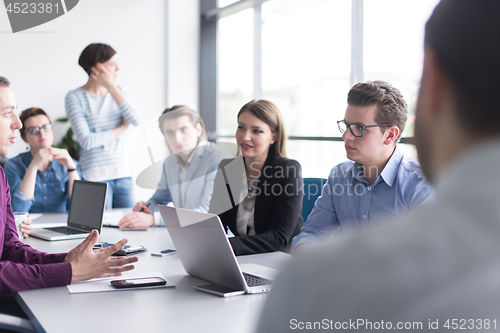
[120,193]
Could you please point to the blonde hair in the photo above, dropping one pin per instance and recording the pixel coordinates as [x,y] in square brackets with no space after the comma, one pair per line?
[269,113]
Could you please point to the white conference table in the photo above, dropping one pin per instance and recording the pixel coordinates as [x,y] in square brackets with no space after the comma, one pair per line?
[179,309]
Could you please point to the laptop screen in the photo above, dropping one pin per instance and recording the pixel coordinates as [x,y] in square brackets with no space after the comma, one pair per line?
[87,205]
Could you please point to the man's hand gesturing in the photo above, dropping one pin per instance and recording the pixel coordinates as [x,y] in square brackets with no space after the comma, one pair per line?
[88,264]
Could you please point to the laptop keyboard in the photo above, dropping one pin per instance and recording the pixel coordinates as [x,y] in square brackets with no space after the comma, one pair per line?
[65,230]
[255,281]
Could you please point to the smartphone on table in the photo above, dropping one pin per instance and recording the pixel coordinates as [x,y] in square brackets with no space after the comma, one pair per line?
[163,253]
[139,282]
[129,251]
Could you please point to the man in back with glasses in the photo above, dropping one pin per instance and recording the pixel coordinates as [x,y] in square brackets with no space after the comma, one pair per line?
[378,180]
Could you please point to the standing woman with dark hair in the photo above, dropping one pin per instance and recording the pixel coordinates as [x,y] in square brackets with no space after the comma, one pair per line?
[100,113]
[40,180]
[267,213]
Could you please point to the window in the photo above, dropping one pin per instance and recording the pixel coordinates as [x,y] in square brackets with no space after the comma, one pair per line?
[393,46]
[224,3]
[306,62]
[235,68]
[300,55]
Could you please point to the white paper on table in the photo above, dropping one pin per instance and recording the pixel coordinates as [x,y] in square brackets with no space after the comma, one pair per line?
[259,270]
[104,284]
[112,217]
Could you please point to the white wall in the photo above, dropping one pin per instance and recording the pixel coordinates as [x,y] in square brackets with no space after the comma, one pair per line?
[183,35]
[157,46]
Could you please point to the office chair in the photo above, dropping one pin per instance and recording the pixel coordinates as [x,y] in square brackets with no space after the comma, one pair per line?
[312,190]
[15,324]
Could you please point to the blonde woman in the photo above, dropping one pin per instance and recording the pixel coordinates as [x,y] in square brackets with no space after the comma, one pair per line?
[267,213]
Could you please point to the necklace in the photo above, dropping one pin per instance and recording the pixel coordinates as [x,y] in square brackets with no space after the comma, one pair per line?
[252,189]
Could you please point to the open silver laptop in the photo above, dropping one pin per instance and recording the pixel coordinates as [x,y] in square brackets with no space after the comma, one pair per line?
[205,251]
[85,213]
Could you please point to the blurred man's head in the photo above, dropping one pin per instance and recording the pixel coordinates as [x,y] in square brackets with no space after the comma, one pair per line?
[183,129]
[457,106]
[9,121]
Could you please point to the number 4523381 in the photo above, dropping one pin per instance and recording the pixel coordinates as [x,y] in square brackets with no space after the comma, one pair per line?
[470,324]
[32,8]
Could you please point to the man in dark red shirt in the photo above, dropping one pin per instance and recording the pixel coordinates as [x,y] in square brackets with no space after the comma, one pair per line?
[21,266]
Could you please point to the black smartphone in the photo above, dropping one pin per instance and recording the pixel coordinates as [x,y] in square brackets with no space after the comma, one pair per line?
[163,253]
[139,282]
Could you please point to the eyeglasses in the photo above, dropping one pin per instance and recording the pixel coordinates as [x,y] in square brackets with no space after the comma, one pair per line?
[36,130]
[356,130]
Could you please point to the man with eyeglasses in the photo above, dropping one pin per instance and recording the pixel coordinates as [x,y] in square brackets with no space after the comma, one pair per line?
[378,180]
[21,266]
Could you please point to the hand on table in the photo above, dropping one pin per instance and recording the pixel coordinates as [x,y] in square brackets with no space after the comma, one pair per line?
[142,206]
[88,264]
[303,248]
[137,220]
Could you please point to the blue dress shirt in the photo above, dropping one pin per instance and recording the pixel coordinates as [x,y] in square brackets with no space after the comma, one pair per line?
[51,186]
[349,201]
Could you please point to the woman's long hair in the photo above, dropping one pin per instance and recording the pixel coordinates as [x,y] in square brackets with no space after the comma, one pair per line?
[269,113]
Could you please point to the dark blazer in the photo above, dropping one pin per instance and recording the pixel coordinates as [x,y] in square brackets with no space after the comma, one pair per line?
[278,206]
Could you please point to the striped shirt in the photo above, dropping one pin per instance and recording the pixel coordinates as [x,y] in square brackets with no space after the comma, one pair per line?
[92,118]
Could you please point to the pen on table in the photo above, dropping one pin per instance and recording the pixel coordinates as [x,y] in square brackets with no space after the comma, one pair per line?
[147,205]
[110,226]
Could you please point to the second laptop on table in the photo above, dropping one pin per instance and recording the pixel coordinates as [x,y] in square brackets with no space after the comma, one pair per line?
[86,210]
[205,252]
